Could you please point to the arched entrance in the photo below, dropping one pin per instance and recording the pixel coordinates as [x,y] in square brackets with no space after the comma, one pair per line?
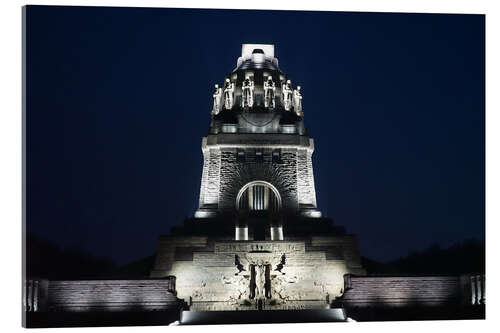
[258,196]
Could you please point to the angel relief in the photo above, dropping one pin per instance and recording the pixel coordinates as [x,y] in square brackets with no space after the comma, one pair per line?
[259,280]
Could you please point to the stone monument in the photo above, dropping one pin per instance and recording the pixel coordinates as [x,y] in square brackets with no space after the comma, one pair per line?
[257,240]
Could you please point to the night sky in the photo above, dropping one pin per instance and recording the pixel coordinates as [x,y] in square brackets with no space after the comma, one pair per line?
[118,100]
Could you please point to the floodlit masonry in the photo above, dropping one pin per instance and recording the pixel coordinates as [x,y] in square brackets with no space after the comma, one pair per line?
[258,240]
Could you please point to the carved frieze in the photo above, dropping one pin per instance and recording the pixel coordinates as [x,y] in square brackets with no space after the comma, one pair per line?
[275,247]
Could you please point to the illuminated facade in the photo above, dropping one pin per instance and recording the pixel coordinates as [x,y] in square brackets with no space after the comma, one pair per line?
[258,136]
[257,240]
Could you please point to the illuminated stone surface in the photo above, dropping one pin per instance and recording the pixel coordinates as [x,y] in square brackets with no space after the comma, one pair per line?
[257,241]
[101,295]
[239,128]
[397,291]
[301,275]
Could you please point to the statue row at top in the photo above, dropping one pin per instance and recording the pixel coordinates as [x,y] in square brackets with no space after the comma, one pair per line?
[290,97]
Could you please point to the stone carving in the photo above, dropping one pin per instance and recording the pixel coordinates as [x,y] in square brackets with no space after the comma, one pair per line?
[282,263]
[255,275]
[279,286]
[247,93]
[238,264]
[240,283]
[217,99]
[286,93]
[260,280]
[228,94]
[260,264]
[198,292]
[244,248]
[269,90]
[297,101]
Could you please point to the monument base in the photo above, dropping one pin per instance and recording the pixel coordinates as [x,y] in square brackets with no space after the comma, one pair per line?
[262,317]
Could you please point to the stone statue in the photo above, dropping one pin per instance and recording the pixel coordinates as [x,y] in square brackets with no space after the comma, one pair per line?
[269,89]
[247,93]
[238,264]
[260,279]
[297,101]
[281,264]
[217,99]
[228,94]
[286,93]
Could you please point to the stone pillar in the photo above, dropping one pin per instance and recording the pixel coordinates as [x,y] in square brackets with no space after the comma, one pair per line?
[250,198]
[473,287]
[35,295]
[210,181]
[305,179]
[276,233]
[266,198]
[241,233]
[483,287]
[478,289]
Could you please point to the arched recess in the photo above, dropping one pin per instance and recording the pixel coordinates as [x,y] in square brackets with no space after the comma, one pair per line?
[258,195]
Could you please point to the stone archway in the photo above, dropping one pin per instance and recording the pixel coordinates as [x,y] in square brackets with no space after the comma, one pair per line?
[258,195]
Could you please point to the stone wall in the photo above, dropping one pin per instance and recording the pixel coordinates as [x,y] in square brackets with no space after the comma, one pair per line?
[168,249]
[216,275]
[112,295]
[305,179]
[383,291]
[234,175]
[209,193]
[344,248]
[224,174]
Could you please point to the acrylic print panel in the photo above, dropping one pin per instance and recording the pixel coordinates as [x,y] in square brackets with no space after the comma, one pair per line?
[340,177]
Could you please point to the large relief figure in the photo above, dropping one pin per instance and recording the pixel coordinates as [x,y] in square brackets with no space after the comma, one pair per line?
[286,93]
[297,101]
[260,280]
[228,94]
[269,91]
[247,89]
[217,99]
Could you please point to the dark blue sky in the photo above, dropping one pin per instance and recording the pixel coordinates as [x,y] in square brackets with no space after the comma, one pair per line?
[119,99]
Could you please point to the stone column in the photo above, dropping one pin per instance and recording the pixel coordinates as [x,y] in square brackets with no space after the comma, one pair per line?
[250,198]
[266,198]
[473,289]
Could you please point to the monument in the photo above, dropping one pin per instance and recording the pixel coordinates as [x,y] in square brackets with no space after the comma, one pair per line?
[257,240]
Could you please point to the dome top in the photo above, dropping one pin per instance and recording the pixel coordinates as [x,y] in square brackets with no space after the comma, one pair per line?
[257,97]
[257,56]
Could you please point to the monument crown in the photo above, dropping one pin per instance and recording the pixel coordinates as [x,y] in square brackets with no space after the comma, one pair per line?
[257,97]
[256,56]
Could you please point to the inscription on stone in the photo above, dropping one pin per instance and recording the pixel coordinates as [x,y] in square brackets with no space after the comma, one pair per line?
[281,247]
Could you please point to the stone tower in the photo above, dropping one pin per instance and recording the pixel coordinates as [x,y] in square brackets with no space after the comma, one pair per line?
[257,240]
[257,155]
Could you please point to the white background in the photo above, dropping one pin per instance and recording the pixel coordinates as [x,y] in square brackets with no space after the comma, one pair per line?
[10,156]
